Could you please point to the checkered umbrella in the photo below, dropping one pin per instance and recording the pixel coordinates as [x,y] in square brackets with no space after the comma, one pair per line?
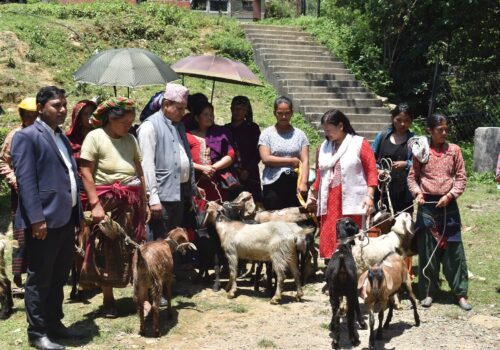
[129,67]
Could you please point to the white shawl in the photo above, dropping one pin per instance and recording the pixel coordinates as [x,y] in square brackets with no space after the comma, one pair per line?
[326,164]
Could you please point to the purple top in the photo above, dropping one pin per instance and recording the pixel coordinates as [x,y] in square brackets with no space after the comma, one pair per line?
[219,140]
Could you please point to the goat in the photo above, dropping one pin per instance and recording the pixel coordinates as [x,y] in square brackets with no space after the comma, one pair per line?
[208,243]
[371,252]
[379,284]
[276,242]
[6,302]
[341,279]
[300,216]
[153,272]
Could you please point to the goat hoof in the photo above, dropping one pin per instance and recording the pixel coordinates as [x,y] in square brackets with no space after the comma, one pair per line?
[231,295]
[335,345]
[355,342]
[216,288]
[142,333]
[362,325]
[275,301]
[398,306]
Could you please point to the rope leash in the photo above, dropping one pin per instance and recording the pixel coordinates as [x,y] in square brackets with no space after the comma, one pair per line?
[384,179]
[432,255]
[363,233]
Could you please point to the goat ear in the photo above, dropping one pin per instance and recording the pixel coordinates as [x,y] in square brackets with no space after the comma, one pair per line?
[362,279]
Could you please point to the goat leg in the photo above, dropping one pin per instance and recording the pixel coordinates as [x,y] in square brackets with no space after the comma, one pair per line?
[269,273]
[380,320]
[257,275]
[335,322]
[355,303]
[280,277]
[155,309]
[397,303]
[233,270]
[217,264]
[389,315]
[168,287]
[140,312]
[292,265]
[353,334]
[412,300]
[372,324]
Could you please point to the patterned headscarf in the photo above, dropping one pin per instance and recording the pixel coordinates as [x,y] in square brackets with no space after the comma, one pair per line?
[98,118]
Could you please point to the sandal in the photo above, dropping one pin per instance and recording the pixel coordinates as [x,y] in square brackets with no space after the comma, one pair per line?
[427,302]
[464,304]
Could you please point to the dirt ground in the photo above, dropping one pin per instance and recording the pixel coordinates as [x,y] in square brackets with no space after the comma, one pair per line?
[208,320]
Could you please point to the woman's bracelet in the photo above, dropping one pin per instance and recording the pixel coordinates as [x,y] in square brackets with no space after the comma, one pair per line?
[371,197]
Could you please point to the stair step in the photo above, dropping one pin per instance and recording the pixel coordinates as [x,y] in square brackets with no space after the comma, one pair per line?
[347,110]
[326,90]
[330,95]
[275,35]
[314,76]
[304,82]
[324,59]
[341,103]
[304,64]
[354,118]
[271,28]
[286,51]
[272,46]
[308,70]
[359,127]
[284,41]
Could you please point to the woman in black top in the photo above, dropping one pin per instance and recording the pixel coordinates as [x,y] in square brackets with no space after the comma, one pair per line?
[392,144]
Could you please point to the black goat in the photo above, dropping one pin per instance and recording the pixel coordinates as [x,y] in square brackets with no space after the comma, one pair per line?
[341,279]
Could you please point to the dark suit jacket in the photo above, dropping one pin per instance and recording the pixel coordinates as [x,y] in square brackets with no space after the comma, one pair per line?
[43,179]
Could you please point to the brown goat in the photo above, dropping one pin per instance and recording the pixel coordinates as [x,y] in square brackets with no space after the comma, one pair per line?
[379,285]
[153,273]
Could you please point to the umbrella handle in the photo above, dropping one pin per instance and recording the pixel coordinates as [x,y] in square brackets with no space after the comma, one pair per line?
[213,88]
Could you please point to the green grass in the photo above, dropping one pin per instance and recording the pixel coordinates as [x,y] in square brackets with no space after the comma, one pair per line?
[265,343]
[480,215]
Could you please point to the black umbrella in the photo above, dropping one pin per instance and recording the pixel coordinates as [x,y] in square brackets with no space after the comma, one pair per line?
[130,67]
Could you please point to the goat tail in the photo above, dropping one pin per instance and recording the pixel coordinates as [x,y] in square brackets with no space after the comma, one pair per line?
[140,267]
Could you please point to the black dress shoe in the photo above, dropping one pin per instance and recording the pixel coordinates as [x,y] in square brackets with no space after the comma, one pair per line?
[44,343]
[63,332]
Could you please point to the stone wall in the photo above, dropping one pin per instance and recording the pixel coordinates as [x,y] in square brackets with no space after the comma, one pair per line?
[486,149]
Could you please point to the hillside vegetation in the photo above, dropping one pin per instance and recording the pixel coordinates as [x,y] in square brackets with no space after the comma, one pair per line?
[47,43]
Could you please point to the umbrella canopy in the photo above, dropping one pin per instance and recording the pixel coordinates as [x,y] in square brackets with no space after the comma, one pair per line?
[129,67]
[217,69]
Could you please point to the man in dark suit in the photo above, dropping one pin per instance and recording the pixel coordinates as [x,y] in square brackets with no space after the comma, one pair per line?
[49,210]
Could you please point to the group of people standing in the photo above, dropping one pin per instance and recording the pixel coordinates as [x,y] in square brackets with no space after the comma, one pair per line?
[148,183]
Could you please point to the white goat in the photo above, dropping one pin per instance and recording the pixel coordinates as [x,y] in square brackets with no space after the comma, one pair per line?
[366,253]
[277,242]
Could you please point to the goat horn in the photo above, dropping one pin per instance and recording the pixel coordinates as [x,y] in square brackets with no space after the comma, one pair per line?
[192,246]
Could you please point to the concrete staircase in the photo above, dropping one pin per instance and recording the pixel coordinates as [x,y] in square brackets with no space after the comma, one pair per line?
[300,68]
